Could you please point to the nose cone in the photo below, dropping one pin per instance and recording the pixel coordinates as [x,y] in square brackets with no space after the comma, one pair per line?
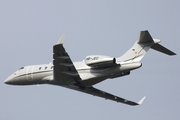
[10,80]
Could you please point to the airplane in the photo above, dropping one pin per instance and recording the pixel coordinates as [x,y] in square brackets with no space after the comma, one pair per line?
[81,76]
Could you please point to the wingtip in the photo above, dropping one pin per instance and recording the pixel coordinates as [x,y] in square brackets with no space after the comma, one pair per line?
[142,100]
[173,54]
[60,41]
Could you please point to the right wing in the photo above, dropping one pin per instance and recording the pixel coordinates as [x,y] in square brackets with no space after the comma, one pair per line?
[102,94]
[64,70]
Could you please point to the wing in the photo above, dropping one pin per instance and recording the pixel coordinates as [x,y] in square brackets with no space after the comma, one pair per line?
[64,70]
[65,73]
[99,93]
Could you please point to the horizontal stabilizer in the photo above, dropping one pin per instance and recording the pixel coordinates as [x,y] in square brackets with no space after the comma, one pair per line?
[162,49]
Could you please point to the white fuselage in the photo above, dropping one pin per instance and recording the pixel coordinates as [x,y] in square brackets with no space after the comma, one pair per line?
[41,74]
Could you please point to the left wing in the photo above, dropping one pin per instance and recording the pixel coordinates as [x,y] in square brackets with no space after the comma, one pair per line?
[99,93]
[96,92]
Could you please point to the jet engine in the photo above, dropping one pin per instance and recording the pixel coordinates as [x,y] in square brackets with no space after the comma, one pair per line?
[100,61]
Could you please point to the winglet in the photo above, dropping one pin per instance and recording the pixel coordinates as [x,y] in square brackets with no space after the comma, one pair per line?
[60,41]
[142,100]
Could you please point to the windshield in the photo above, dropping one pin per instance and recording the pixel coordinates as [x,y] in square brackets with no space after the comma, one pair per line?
[21,68]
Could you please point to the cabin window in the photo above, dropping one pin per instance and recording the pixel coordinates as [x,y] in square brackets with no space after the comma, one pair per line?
[51,67]
[39,68]
[45,68]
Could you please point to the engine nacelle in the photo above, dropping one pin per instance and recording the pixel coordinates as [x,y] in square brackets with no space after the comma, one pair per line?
[100,61]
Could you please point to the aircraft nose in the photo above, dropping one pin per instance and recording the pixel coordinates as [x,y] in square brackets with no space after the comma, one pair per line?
[10,80]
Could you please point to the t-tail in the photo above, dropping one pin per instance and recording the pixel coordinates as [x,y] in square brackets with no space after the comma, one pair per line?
[141,47]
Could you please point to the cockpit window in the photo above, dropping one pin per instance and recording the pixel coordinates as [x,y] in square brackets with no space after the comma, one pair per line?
[21,68]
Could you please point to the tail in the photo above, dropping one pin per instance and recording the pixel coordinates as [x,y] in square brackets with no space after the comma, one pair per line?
[141,47]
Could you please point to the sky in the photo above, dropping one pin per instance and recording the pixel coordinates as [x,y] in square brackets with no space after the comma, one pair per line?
[29,29]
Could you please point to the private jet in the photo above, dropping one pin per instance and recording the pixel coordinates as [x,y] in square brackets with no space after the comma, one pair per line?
[81,76]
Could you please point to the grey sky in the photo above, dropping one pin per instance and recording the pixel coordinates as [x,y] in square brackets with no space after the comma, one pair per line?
[30,29]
